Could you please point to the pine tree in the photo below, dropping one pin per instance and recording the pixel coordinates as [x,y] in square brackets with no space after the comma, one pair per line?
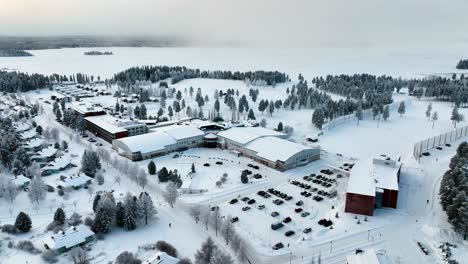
[193,168]
[151,168]
[428,111]
[96,202]
[386,113]
[23,222]
[130,222]
[59,216]
[280,127]
[120,215]
[102,222]
[435,117]
[206,253]
[402,108]
[146,207]
[251,115]
[358,114]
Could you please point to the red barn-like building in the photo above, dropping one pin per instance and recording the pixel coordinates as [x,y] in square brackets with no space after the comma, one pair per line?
[372,184]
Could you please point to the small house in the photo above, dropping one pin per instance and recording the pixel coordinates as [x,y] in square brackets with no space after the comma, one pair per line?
[68,239]
[75,182]
[162,258]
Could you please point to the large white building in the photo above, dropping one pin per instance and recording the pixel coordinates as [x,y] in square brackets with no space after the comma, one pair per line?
[159,143]
[268,147]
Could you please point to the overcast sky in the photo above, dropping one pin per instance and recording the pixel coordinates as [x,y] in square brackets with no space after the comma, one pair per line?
[252,22]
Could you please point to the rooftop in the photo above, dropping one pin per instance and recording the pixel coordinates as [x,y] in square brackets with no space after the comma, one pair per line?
[69,238]
[84,108]
[161,258]
[368,175]
[367,257]
[244,135]
[273,148]
[108,123]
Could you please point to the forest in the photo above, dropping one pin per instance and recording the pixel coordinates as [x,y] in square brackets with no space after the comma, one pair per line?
[179,73]
[453,191]
[462,64]
[12,82]
[14,53]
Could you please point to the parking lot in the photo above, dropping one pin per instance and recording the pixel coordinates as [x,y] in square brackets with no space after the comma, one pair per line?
[297,211]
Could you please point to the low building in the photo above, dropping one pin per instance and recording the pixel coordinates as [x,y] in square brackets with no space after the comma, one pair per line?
[66,240]
[373,184]
[58,165]
[161,258]
[86,109]
[159,142]
[366,257]
[109,128]
[45,155]
[75,182]
[267,147]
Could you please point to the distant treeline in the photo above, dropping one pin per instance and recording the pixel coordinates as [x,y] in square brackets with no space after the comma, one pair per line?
[179,73]
[95,53]
[14,53]
[12,82]
[441,88]
[462,64]
[36,43]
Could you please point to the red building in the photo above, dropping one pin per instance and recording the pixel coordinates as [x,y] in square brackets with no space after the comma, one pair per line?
[373,184]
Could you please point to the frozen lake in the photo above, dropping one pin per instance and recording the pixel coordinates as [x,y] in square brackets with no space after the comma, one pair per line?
[407,62]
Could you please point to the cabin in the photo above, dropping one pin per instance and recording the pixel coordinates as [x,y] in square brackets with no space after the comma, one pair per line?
[66,240]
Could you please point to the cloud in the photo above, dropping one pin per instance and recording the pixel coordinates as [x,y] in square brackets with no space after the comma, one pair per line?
[246,22]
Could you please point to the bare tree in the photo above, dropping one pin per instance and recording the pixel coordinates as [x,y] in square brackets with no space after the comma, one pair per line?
[205,216]
[195,212]
[37,190]
[226,229]
[171,194]
[10,192]
[215,220]
[142,178]
[146,207]
[79,256]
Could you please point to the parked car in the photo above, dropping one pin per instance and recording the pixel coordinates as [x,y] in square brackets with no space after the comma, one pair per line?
[246,208]
[252,201]
[233,201]
[274,214]
[299,203]
[235,219]
[175,156]
[219,163]
[289,233]
[307,230]
[305,214]
[278,246]
[298,210]
[287,220]
[277,225]
[261,207]
[206,164]
[245,199]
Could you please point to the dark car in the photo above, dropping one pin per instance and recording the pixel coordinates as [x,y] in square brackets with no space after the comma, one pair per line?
[299,203]
[287,220]
[289,233]
[245,199]
[214,208]
[233,201]
[305,214]
[274,214]
[298,210]
[277,225]
[252,201]
[246,208]
[278,246]
[235,219]
[307,230]
[206,164]
[448,145]
[219,163]
[261,207]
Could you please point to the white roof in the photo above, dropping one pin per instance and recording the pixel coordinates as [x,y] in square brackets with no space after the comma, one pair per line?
[244,135]
[86,108]
[105,122]
[59,163]
[46,152]
[20,180]
[160,139]
[22,127]
[273,148]
[148,142]
[367,257]
[69,238]
[182,132]
[75,181]
[162,258]
[29,134]
[35,143]
[368,175]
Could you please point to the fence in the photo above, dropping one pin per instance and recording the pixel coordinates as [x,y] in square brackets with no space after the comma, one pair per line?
[352,117]
[440,140]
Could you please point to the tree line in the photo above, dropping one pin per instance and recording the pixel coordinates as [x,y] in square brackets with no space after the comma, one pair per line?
[180,73]
[462,64]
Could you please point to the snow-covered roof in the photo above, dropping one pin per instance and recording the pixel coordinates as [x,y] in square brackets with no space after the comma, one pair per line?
[244,135]
[366,257]
[148,142]
[106,122]
[75,181]
[20,127]
[368,175]
[59,163]
[35,143]
[159,139]
[273,148]
[20,180]
[46,152]
[28,134]
[182,132]
[84,108]
[69,238]
[161,258]
[210,136]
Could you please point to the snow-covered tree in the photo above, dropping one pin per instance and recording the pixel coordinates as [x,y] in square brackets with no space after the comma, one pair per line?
[435,117]
[9,192]
[428,111]
[102,222]
[206,253]
[146,206]
[402,108]
[221,258]
[37,190]
[386,113]
[90,163]
[59,216]
[23,222]
[171,194]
